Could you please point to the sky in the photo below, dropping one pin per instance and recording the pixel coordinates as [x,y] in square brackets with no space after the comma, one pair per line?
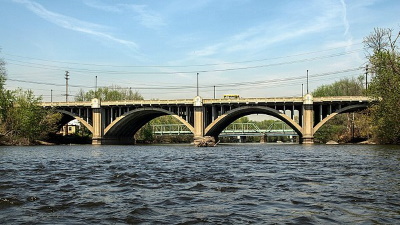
[254,48]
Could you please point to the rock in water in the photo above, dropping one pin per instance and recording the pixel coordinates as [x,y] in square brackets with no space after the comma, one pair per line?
[332,143]
[206,141]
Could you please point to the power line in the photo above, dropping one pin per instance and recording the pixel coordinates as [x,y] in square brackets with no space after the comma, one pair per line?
[177,66]
[46,83]
[221,85]
[43,66]
[264,86]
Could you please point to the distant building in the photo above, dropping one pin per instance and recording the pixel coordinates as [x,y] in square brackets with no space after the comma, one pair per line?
[71,128]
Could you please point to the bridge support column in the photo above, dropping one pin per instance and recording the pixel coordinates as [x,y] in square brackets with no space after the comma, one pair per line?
[97,122]
[213,113]
[198,117]
[308,120]
[263,139]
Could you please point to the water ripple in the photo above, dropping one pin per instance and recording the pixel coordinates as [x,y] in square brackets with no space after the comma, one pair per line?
[229,184]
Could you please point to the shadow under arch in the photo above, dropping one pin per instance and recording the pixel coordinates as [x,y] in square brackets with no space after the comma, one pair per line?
[216,127]
[71,116]
[346,109]
[129,123]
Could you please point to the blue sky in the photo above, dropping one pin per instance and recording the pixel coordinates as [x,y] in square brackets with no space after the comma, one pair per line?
[255,48]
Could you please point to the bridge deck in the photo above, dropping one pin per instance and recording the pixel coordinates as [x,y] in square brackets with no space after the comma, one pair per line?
[213,101]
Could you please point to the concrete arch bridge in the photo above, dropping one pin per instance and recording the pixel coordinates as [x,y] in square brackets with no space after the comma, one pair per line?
[116,122]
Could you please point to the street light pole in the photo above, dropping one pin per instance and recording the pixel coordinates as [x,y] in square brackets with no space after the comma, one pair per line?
[307,81]
[66,85]
[366,78]
[214,91]
[197,84]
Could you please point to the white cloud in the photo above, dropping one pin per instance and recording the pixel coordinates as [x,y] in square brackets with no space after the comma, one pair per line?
[73,24]
[346,24]
[146,17]
[209,50]
[345,21]
[98,5]
[270,33]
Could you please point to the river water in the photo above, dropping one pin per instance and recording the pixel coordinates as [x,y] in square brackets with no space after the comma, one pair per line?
[181,184]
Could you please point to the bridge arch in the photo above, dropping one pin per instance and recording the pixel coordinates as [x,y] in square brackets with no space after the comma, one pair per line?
[346,109]
[73,116]
[129,123]
[216,127]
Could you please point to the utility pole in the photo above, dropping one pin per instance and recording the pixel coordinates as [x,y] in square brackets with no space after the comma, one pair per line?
[66,99]
[66,85]
[366,78]
[51,95]
[95,88]
[214,91]
[352,128]
[302,90]
[197,84]
[307,81]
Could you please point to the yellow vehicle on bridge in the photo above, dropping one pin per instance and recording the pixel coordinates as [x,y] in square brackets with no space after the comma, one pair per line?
[231,96]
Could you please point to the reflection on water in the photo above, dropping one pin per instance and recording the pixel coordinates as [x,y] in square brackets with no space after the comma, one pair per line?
[229,184]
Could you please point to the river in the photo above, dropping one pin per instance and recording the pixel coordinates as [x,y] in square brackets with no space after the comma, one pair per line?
[181,184]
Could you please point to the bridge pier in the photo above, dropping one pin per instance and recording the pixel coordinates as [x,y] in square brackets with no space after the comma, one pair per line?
[198,117]
[308,120]
[263,138]
[97,122]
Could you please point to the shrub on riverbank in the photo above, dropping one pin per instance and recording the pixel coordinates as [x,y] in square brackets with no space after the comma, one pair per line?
[22,119]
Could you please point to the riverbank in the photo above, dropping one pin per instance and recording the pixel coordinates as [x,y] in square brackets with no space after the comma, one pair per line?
[52,140]
[74,139]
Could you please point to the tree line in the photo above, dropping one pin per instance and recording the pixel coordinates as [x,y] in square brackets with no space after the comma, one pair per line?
[22,119]
[381,121]
[348,127]
[384,58]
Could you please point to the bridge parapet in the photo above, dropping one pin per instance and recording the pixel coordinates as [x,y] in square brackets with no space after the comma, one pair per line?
[66,104]
[149,102]
[343,99]
[253,100]
[211,101]
[120,103]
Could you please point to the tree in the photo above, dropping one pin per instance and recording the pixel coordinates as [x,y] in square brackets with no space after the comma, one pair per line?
[340,128]
[113,93]
[146,132]
[343,87]
[3,74]
[22,119]
[384,56]
[6,96]
[29,120]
